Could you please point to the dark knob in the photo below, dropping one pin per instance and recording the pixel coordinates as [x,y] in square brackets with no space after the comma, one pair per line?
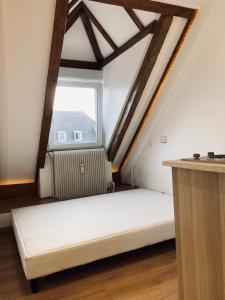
[196,155]
[211,154]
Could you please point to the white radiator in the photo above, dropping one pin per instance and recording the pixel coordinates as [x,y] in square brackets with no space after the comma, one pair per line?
[79,173]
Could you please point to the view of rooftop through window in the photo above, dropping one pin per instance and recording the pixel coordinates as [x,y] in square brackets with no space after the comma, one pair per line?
[75,117]
[70,98]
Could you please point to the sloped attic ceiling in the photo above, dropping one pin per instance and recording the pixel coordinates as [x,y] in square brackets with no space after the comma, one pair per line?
[96,54]
[112,16]
[25,41]
[115,21]
[20,142]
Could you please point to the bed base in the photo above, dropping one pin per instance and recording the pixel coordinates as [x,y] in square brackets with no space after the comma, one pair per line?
[34,283]
[34,286]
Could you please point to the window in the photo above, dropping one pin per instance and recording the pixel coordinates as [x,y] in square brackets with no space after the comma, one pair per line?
[61,136]
[78,135]
[76,120]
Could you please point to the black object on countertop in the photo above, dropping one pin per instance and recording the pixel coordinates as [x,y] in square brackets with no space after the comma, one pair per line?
[211,155]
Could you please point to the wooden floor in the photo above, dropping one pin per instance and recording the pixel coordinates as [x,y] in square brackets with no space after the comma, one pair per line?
[146,274]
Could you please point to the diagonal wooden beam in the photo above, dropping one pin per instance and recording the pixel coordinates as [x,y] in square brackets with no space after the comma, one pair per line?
[131,42]
[61,13]
[100,28]
[153,6]
[72,3]
[91,36]
[73,16]
[78,64]
[140,83]
[156,94]
[135,18]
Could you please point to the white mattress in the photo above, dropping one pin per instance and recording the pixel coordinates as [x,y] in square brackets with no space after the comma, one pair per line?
[61,235]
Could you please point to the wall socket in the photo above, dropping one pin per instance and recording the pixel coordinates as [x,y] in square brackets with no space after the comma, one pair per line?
[163,139]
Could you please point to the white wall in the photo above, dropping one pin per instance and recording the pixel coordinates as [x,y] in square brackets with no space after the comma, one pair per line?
[190,109]
[159,67]
[119,76]
[25,40]
[81,75]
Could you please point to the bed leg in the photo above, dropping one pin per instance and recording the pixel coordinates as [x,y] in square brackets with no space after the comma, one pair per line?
[34,286]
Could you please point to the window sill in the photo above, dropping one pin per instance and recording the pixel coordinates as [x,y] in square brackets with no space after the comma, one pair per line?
[75,148]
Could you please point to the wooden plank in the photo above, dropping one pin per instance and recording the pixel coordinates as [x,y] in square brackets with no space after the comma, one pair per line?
[61,13]
[198,223]
[149,61]
[157,91]
[17,190]
[7,204]
[100,28]
[22,200]
[222,221]
[131,42]
[78,64]
[72,3]
[73,16]
[134,18]
[91,36]
[153,6]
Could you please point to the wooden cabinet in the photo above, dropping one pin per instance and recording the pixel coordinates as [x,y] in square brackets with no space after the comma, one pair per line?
[199,201]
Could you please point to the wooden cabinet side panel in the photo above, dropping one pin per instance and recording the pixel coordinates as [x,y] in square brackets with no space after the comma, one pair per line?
[184,233]
[199,234]
[222,220]
[207,234]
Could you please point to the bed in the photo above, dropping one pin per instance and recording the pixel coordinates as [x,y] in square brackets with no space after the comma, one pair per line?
[57,236]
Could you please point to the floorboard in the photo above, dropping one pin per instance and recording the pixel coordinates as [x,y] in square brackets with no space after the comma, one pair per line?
[145,274]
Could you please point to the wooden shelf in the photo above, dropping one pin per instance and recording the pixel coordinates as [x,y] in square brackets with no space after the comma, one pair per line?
[7,205]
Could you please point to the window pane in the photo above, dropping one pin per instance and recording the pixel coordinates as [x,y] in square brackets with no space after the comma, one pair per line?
[74,119]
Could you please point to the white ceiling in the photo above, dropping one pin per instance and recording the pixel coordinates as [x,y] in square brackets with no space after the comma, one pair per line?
[114,20]
[76,44]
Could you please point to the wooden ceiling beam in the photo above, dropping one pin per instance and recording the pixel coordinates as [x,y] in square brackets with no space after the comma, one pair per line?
[61,13]
[78,64]
[73,16]
[153,6]
[91,36]
[156,94]
[140,83]
[131,42]
[134,18]
[72,3]
[100,28]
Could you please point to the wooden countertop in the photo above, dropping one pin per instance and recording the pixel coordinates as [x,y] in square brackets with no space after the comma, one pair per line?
[199,166]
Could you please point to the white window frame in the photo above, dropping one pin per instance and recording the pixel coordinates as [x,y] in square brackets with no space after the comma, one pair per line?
[80,133]
[61,132]
[99,92]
